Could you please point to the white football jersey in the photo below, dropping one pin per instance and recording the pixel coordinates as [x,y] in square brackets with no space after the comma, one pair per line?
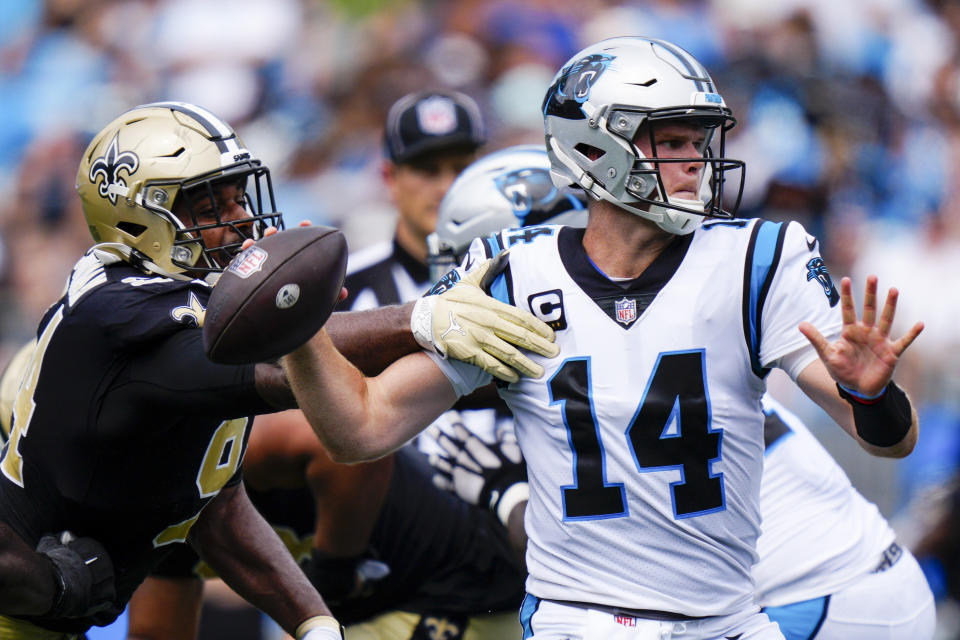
[644,438]
[819,533]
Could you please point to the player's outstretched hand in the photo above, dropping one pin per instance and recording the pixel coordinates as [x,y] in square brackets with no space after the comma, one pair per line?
[491,475]
[85,574]
[464,323]
[864,356]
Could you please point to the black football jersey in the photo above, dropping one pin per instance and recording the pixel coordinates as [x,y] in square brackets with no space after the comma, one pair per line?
[123,430]
[446,557]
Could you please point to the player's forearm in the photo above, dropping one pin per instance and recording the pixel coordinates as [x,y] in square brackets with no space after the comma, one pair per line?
[344,525]
[896,438]
[359,418]
[901,446]
[334,397]
[27,582]
[372,339]
[165,608]
[900,449]
[235,540]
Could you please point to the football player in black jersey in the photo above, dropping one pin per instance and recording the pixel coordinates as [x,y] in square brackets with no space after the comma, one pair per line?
[125,440]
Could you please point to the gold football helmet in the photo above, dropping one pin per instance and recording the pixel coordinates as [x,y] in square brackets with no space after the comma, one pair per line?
[164,157]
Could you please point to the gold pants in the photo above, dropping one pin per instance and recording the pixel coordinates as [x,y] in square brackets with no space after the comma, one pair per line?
[14,629]
[398,625]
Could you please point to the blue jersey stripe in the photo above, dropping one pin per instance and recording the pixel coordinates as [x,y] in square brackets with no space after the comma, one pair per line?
[527,609]
[800,620]
[493,245]
[499,290]
[763,255]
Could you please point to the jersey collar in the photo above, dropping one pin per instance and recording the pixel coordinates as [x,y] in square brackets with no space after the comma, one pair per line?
[624,301]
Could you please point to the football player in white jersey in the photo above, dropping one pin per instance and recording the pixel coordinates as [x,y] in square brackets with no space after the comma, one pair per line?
[830,567]
[644,439]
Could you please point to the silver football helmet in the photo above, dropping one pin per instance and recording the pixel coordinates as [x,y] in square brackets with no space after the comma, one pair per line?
[162,157]
[509,188]
[610,92]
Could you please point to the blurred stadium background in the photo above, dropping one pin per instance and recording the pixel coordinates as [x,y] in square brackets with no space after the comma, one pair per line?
[849,122]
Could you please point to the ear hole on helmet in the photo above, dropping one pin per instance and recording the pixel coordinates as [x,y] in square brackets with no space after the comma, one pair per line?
[591,152]
[131,228]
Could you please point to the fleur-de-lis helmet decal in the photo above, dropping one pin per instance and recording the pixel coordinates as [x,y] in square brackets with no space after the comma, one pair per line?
[149,184]
[109,165]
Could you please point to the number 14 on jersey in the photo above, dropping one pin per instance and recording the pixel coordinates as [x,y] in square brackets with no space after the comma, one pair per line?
[675,395]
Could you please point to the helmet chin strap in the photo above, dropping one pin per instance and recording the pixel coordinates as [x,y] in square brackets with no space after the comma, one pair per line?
[111,252]
[696,205]
[678,222]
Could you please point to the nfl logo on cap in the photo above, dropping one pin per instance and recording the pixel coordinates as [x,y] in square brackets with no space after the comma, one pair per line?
[626,310]
[432,122]
[437,115]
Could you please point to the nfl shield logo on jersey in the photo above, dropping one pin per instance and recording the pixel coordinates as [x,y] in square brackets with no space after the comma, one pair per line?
[626,310]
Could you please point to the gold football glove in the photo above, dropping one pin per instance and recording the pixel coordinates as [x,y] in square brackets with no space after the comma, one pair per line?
[464,323]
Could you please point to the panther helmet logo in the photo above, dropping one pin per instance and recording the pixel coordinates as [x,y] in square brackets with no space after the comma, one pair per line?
[817,270]
[108,166]
[530,190]
[573,84]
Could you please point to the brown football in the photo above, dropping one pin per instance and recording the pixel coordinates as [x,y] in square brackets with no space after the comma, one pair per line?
[275,295]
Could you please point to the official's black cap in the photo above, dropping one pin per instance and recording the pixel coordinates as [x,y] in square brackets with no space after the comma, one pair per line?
[430,121]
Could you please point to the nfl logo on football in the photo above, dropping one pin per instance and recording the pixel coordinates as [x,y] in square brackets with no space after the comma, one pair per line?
[249,262]
[626,310]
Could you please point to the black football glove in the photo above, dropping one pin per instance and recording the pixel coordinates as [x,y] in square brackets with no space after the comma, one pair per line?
[492,475]
[84,573]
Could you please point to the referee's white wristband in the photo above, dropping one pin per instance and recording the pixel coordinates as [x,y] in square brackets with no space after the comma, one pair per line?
[319,628]
[514,495]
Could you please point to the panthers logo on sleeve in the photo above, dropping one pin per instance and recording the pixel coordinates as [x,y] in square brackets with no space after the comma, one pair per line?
[817,270]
